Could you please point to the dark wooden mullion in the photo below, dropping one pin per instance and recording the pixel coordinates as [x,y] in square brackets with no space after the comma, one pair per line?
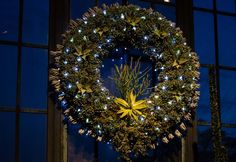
[212,11]
[59,15]
[161,2]
[18,83]
[15,43]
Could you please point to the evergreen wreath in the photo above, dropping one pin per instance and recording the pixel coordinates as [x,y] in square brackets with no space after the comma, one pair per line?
[132,126]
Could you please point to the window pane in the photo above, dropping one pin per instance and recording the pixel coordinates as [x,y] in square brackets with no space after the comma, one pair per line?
[167,11]
[203,110]
[227,39]
[34,78]
[33,137]
[108,2]
[204,37]
[229,140]
[140,3]
[80,147]
[107,153]
[227,6]
[205,152]
[35,21]
[8,68]
[78,8]
[203,3]
[7,136]
[228,97]
[9,19]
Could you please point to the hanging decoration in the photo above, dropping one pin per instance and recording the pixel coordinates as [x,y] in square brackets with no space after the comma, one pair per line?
[132,124]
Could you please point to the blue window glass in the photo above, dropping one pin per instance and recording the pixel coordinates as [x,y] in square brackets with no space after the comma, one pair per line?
[227,39]
[9,19]
[7,136]
[203,3]
[34,78]
[33,137]
[80,147]
[78,8]
[205,152]
[227,6]
[228,97]
[140,3]
[203,110]
[167,11]
[107,71]
[108,2]
[8,71]
[107,153]
[204,37]
[35,21]
[229,140]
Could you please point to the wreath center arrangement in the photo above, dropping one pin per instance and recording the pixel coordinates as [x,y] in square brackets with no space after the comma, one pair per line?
[133,125]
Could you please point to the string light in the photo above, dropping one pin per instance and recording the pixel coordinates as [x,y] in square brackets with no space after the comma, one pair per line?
[160,18]
[178,52]
[180,77]
[166,77]
[65,62]
[103,66]
[85,22]
[69,86]
[170,102]
[112,60]
[157,129]
[66,74]
[75,69]
[166,118]
[87,120]
[79,59]
[122,16]
[134,28]
[143,17]
[105,107]
[117,49]
[79,30]
[104,12]
[145,37]
[163,88]
[67,50]
[72,40]
[156,96]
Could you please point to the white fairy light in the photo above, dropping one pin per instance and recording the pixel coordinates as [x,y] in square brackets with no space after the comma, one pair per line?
[166,77]
[143,17]
[84,38]
[157,129]
[103,66]
[105,107]
[165,118]
[108,97]
[170,102]
[94,15]
[183,108]
[69,86]
[160,18]
[178,52]
[156,96]
[163,88]
[67,50]
[94,31]
[121,58]
[162,68]
[75,68]
[85,22]
[134,28]
[145,37]
[122,16]
[87,120]
[79,30]
[117,49]
[124,29]
[155,69]
[96,55]
[72,40]
[125,48]
[149,101]
[79,59]
[66,74]
[65,62]
[112,60]
[180,77]
[104,12]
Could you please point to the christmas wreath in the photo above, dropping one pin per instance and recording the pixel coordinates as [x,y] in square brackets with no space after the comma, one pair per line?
[133,124]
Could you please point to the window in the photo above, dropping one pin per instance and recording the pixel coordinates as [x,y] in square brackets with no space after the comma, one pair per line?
[214,23]
[24,64]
